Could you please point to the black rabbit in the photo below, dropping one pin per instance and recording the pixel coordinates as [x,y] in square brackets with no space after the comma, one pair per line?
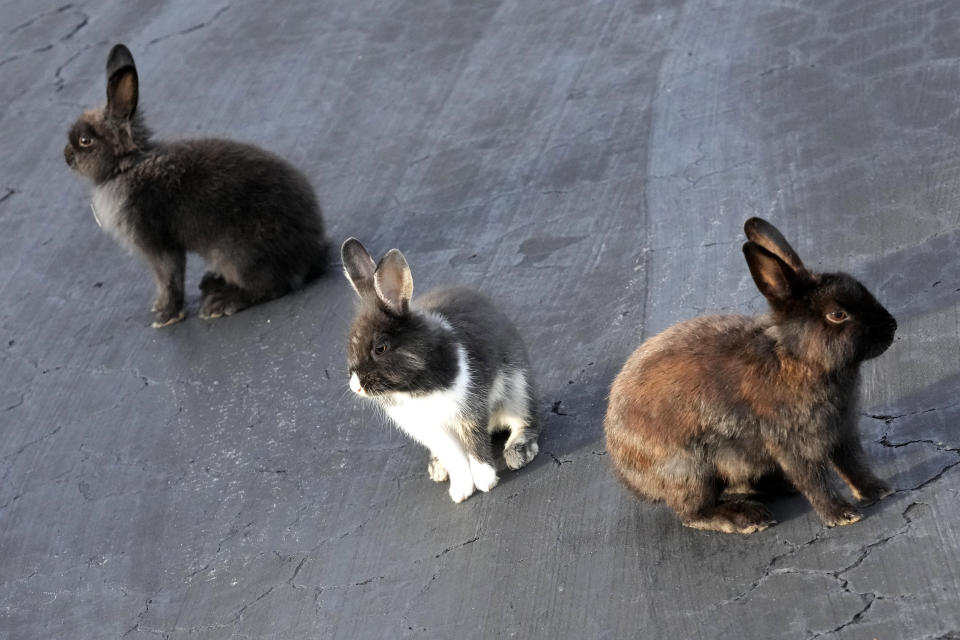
[712,405]
[450,370]
[252,216]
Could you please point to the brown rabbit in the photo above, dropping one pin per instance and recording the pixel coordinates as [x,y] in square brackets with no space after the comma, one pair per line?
[710,406]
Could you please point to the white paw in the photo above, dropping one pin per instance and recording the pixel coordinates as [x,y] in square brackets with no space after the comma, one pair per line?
[484,475]
[461,489]
[437,471]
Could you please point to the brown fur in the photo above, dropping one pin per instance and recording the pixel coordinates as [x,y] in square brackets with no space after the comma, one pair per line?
[717,403]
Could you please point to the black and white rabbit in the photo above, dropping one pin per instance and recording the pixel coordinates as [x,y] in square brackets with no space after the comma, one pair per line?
[709,407]
[252,216]
[449,369]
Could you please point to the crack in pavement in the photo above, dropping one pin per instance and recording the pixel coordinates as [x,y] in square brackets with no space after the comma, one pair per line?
[26,445]
[195,27]
[43,14]
[84,19]
[870,596]
[837,574]
[889,418]
[15,404]
[136,625]
[939,446]
[458,546]
[58,80]
[230,535]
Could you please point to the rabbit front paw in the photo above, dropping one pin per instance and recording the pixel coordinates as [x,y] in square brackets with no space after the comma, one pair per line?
[436,470]
[732,516]
[840,514]
[873,491]
[164,317]
[461,488]
[519,454]
[484,475]
[217,303]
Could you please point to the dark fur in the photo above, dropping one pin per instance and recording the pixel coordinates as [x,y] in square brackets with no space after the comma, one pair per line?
[712,405]
[421,355]
[252,216]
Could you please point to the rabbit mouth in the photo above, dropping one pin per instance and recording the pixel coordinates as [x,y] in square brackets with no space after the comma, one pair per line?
[884,338]
[367,389]
[881,348]
[355,385]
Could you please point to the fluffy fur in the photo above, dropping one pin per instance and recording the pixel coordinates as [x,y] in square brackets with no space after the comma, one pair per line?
[449,370]
[250,215]
[705,410]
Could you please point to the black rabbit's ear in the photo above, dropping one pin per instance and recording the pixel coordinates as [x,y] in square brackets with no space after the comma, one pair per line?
[118,58]
[123,85]
[358,266]
[769,237]
[393,282]
[775,279]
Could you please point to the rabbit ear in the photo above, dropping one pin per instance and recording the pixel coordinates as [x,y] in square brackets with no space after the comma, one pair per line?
[393,282]
[358,266]
[122,83]
[775,279]
[769,237]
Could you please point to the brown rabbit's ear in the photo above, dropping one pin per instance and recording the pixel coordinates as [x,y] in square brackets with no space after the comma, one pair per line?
[769,237]
[393,282]
[358,266]
[775,279]
[123,85]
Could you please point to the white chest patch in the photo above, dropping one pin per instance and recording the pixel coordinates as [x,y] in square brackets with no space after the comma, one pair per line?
[422,416]
[108,201]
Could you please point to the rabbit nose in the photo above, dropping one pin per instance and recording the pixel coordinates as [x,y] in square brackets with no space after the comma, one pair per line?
[887,328]
[355,385]
[68,154]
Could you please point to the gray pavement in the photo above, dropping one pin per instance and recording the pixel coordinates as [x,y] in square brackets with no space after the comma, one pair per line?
[590,165]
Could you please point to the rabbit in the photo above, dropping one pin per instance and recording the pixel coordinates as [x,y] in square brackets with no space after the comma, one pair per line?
[710,406]
[449,369]
[249,214]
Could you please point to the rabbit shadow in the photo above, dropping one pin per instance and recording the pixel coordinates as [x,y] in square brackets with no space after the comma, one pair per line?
[917,434]
[930,412]
[916,280]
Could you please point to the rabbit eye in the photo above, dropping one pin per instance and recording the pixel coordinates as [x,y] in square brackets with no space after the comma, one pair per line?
[85,141]
[380,348]
[837,316]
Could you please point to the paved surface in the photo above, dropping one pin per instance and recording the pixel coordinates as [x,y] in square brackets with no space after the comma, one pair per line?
[589,164]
